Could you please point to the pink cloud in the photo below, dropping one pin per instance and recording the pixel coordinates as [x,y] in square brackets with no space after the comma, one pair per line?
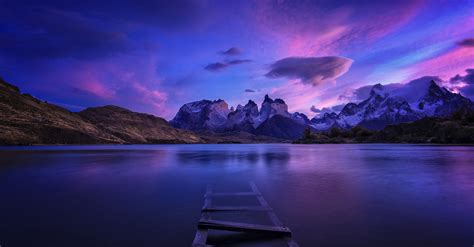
[96,88]
[131,81]
[446,65]
[155,98]
[310,28]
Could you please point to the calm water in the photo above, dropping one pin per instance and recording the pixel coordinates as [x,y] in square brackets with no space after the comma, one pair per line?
[329,195]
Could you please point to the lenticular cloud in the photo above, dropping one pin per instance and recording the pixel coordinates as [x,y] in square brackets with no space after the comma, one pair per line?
[310,70]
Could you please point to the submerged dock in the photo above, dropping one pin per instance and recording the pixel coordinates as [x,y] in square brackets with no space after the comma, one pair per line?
[206,223]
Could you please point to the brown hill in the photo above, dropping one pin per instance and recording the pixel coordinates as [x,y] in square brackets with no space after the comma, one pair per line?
[133,127]
[25,120]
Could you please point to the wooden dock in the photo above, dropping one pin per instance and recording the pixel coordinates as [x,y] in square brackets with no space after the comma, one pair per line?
[276,230]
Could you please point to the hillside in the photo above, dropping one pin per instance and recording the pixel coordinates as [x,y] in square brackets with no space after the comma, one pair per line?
[133,127]
[25,120]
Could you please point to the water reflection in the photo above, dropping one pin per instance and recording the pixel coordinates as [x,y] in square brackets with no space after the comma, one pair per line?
[223,157]
[330,195]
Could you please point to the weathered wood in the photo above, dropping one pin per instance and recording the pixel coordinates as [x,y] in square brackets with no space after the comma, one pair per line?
[243,227]
[200,238]
[289,241]
[232,194]
[206,223]
[264,203]
[236,208]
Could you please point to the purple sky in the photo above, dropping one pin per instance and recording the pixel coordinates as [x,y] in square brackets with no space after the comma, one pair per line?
[154,56]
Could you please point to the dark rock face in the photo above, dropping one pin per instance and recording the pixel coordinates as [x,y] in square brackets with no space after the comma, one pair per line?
[281,127]
[402,105]
[440,102]
[25,120]
[327,121]
[243,118]
[301,118]
[271,108]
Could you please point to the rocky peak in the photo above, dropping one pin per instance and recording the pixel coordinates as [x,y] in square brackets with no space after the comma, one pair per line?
[349,109]
[203,114]
[435,90]
[267,99]
[300,117]
[251,108]
[271,108]
[377,89]
[396,104]
[251,103]
[279,101]
[332,115]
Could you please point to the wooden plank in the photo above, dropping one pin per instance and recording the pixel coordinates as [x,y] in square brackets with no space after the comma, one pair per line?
[232,194]
[264,203]
[206,223]
[243,227]
[237,208]
[200,238]
[289,241]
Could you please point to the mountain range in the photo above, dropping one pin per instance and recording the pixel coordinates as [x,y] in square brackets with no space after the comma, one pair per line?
[273,118]
[25,120]
[395,103]
[385,105]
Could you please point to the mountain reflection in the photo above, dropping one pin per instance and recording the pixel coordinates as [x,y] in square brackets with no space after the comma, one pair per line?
[281,157]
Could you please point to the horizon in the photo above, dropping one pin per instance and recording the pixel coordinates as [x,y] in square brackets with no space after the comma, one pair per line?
[153,58]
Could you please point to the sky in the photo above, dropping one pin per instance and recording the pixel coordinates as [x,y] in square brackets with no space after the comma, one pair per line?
[154,56]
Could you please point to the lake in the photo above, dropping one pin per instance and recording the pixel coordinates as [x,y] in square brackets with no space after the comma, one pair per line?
[151,195]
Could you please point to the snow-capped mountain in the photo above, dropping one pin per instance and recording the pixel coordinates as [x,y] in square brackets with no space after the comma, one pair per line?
[273,118]
[396,104]
[202,115]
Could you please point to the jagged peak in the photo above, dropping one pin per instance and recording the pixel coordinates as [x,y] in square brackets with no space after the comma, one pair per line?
[434,89]
[279,101]
[330,114]
[434,85]
[251,103]
[267,99]
[349,106]
[206,101]
[376,89]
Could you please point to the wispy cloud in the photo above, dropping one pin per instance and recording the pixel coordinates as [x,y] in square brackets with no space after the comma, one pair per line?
[233,51]
[219,66]
[216,66]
